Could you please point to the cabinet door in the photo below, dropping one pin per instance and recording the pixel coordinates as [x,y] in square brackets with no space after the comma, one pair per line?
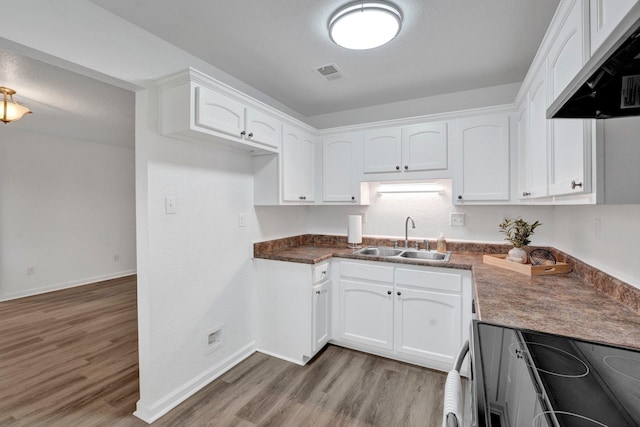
[263,129]
[536,152]
[321,315]
[484,174]
[605,15]
[297,166]
[570,139]
[218,112]
[382,150]
[366,313]
[339,180]
[424,147]
[428,324]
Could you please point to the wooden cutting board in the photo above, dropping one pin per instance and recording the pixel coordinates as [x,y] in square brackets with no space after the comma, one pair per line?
[528,269]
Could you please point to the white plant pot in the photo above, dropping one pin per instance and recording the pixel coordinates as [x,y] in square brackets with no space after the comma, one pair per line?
[518,255]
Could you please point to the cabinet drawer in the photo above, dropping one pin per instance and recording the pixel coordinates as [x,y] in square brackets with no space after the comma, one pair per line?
[320,272]
[429,279]
[373,273]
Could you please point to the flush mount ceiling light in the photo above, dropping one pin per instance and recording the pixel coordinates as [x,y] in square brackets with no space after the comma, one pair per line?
[11,110]
[365,24]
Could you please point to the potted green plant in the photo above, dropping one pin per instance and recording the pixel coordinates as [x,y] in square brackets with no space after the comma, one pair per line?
[517,231]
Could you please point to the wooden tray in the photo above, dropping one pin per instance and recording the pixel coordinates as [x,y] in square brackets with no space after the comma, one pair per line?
[528,269]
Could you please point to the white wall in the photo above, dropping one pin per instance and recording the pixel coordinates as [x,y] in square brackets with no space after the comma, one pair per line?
[387,214]
[197,262]
[66,209]
[613,249]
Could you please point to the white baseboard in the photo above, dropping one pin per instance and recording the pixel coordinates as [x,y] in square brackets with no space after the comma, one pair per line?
[71,284]
[279,356]
[151,412]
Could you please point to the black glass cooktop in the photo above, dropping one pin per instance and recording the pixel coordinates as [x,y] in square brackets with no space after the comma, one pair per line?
[526,378]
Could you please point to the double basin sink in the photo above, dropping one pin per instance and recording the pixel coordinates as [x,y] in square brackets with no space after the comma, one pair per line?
[404,253]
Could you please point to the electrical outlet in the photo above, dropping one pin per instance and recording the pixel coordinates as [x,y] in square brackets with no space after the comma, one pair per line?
[456,219]
[364,217]
[214,339]
[597,228]
[242,220]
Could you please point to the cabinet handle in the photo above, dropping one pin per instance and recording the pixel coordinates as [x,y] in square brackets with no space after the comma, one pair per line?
[525,194]
[317,292]
[575,184]
[243,133]
[397,168]
[406,167]
[399,293]
[250,135]
[324,272]
[388,292]
[304,197]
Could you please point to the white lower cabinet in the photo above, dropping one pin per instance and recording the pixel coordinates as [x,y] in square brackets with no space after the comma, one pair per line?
[293,309]
[428,315]
[411,313]
[366,313]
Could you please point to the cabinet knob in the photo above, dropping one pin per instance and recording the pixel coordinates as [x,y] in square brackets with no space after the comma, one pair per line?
[459,196]
[317,292]
[324,272]
[304,197]
[399,293]
[243,133]
[397,168]
[353,197]
[388,292]
[575,184]
[250,135]
[525,194]
[406,167]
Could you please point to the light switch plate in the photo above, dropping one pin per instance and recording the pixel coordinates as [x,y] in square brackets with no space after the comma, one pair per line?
[170,205]
[456,218]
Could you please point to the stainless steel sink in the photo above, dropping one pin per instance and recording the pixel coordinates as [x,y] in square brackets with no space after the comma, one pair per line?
[430,256]
[382,252]
[404,253]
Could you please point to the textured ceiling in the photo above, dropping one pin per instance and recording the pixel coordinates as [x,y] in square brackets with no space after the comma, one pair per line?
[66,103]
[275,45]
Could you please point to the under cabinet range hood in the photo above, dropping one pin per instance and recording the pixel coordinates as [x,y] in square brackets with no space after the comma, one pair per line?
[609,84]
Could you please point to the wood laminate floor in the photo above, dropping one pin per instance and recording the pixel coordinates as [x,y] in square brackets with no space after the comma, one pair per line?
[69,358]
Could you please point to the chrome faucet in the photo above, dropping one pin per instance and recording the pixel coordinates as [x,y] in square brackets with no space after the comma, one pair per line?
[406,230]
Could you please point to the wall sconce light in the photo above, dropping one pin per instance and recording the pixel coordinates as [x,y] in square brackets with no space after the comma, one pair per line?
[11,110]
[416,187]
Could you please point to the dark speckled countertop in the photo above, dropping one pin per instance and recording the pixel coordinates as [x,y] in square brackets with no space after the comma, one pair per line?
[564,304]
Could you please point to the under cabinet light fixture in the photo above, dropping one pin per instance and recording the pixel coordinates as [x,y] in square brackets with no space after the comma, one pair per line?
[417,187]
[365,24]
[11,110]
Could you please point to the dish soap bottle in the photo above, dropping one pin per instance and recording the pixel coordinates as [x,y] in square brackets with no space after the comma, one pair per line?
[441,244]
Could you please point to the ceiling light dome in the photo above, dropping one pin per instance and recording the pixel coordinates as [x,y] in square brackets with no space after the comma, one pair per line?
[365,24]
[10,110]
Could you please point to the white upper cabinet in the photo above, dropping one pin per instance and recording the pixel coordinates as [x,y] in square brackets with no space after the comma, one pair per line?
[569,49]
[341,166]
[605,16]
[424,147]
[297,166]
[218,112]
[382,151]
[534,131]
[409,149]
[263,129]
[193,107]
[569,139]
[483,156]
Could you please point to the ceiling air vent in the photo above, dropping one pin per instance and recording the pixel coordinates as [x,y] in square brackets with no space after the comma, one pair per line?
[330,72]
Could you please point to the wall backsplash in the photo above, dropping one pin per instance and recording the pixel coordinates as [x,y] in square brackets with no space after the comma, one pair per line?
[387,214]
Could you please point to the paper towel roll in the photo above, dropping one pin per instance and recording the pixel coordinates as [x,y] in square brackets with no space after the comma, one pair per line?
[355,229]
